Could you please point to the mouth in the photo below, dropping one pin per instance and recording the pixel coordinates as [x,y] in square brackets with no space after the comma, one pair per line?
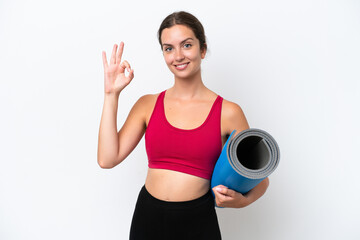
[181,66]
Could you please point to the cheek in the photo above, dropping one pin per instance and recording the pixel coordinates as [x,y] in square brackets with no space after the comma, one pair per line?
[168,59]
[192,55]
[189,54]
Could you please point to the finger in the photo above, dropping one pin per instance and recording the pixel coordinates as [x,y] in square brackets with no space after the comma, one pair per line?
[216,189]
[228,192]
[120,52]
[105,64]
[126,65]
[220,188]
[219,199]
[131,75]
[217,192]
[216,197]
[113,55]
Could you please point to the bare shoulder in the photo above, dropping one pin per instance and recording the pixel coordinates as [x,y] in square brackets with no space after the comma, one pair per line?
[146,101]
[145,105]
[231,110]
[232,117]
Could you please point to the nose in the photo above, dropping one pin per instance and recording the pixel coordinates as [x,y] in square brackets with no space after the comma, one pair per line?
[179,56]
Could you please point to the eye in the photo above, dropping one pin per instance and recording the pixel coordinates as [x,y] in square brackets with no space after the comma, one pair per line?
[187,45]
[167,49]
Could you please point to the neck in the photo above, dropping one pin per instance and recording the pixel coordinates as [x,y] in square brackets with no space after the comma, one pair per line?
[188,87]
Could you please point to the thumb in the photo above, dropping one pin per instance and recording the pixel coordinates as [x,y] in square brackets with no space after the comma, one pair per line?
[220,188]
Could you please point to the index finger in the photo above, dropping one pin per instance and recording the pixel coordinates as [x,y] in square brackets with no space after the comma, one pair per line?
[104,59]
[120,52]
[219,199]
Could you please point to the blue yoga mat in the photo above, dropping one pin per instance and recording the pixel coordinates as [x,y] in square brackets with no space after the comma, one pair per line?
[246,159]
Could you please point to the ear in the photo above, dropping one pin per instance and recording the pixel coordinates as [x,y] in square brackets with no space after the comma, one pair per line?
[203,51]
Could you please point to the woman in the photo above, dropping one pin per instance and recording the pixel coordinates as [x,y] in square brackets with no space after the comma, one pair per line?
[176,200]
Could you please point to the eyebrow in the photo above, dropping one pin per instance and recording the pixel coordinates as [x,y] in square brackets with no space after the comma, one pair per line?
[167,44]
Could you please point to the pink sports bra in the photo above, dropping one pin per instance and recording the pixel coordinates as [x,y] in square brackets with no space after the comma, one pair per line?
[193,151]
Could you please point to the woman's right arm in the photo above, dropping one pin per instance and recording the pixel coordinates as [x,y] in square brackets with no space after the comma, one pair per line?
[114,146]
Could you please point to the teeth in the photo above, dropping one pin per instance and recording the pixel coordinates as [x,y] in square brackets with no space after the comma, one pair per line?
[180,66]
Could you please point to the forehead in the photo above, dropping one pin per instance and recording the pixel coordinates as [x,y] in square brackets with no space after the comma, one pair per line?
[176,33]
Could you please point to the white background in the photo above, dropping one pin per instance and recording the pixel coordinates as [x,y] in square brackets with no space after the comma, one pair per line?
[293,66]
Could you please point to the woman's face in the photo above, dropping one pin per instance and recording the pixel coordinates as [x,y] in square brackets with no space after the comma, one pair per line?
[181,50]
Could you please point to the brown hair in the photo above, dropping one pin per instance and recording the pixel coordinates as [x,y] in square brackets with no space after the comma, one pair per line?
[186,19]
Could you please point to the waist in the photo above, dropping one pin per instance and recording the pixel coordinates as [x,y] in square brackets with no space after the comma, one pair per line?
[168,185]
[192,205]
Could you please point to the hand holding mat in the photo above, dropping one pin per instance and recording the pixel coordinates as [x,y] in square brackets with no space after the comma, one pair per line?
[246,160]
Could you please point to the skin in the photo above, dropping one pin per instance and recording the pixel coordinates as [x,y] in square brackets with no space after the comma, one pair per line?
[186,104]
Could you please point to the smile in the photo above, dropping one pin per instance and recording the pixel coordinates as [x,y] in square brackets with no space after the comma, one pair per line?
[182,66]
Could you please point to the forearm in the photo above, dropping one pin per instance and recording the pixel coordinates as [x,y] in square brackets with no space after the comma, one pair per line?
[255,193]
[108,142]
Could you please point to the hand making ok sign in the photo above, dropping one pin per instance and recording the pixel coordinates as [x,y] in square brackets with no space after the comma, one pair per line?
[114,73]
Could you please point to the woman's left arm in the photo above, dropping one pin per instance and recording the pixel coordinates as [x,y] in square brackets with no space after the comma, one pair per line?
[233,118]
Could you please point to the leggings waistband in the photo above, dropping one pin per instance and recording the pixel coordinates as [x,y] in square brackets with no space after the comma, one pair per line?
[205,199]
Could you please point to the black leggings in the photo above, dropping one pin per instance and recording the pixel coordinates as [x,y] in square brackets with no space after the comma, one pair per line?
[157,219]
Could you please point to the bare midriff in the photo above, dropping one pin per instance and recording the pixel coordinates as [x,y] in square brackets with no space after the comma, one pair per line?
[173,186]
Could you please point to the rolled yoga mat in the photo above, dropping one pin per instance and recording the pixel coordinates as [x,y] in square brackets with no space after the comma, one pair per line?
[246,160]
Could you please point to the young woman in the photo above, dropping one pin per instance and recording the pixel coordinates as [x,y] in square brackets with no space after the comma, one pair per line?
[185,128]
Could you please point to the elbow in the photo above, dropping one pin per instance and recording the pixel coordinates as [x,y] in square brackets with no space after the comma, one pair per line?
[105,164]
[107,161]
